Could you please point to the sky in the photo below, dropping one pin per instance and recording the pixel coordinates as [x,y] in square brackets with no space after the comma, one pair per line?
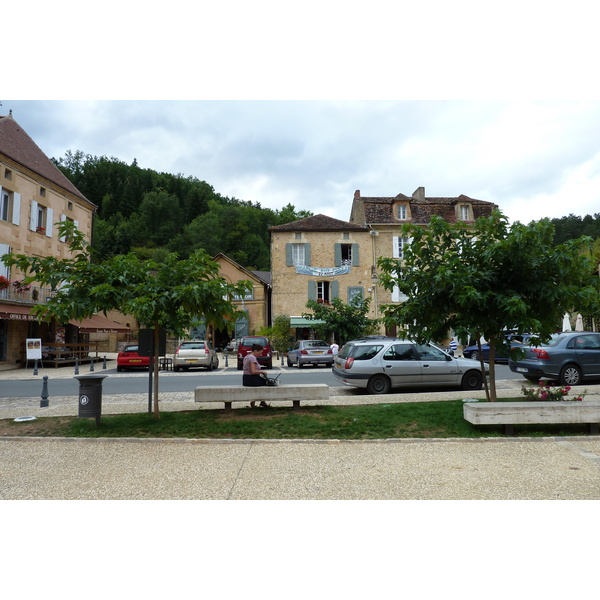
[533,158]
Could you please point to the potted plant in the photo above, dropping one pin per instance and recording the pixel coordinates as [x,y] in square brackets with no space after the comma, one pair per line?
[21,287]
[4,282]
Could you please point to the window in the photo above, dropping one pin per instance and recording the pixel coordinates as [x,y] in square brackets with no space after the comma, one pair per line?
[346,254]
[43,192]
[400,243]
[400,352]
[8,174]
[323,289]
[297,236]
[402,212]
[298,254]
[64,238]
[346,236]
[69,206]
[10,206]
[40,219]
[464,212]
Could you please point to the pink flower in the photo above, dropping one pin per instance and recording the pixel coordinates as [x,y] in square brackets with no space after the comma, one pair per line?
[544,395]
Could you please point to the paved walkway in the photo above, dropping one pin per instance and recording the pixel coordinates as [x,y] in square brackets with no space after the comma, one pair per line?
[406,469]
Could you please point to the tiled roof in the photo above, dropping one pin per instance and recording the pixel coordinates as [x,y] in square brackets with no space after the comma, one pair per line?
[318,223]
[379,209]
[18,146]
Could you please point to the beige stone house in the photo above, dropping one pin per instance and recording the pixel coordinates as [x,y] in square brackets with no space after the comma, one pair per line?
[34,197]
[320,257]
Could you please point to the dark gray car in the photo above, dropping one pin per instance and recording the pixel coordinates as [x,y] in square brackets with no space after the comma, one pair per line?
[310,352]
[569,358]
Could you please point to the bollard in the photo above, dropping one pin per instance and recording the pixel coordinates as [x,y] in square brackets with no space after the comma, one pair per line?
[44,401]
[104,363]
[226,359]
[282,359]
[92,364]
[35,369]
[76,366]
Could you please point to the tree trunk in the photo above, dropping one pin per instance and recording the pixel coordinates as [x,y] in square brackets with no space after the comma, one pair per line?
[492,396]
[155,361]
[481,362]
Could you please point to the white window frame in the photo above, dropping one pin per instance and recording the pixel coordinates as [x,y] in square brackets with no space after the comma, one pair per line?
[465,213]
[399,243]
[346,249]
[41,216]
[402,212]
[324,291]
[298,255]
[10,203]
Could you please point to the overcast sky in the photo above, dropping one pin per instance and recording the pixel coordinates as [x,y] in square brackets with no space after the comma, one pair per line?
[533,158]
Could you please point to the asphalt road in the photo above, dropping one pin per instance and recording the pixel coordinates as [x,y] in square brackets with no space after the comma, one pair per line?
[62,382]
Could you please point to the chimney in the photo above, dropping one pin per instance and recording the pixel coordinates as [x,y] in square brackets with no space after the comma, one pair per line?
[419,194]
[357,194]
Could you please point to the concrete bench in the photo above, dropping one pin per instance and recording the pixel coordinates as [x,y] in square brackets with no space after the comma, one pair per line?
[527,413]
[228,394]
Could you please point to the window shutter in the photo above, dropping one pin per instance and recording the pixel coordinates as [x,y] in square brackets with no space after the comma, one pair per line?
[335,289]
[307,255]
[355,262]
[312,290]
[16,216]
[337,255]
[63,218]
[4,270]
[395,249]
[49,221]
[33,216]
[289,261]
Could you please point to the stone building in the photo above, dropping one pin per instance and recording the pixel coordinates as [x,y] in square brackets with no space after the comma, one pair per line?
[320,258]
[34,197]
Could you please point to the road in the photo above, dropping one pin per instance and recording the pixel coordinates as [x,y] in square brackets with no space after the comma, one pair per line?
[61,382]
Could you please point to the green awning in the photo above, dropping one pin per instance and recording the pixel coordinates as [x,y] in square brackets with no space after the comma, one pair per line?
[302,322]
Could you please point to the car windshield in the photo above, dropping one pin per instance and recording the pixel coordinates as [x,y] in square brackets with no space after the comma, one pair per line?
[314,344]
[130,349]
[257,340]
[192,346]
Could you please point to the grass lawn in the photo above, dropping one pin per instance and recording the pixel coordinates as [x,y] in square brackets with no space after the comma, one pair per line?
[378,421]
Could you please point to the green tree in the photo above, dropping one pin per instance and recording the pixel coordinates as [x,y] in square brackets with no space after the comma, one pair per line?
[342,321]
[485,279]
[167,294]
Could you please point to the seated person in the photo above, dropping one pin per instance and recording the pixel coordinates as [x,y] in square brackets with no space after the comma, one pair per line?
[251,372]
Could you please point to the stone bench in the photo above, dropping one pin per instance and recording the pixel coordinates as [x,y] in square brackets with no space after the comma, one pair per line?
[533,412]
[228,394]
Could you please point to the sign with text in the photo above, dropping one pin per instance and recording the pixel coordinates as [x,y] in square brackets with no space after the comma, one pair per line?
[34,348]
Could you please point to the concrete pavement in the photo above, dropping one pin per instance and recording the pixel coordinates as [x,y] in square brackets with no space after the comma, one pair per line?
[399,469]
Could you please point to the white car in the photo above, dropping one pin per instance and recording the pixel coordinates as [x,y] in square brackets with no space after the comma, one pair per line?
[380,363]
[195,353]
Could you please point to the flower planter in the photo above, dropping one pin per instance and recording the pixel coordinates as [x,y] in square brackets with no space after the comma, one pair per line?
[533,413]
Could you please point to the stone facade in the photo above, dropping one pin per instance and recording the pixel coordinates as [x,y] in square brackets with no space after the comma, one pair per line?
[34,197]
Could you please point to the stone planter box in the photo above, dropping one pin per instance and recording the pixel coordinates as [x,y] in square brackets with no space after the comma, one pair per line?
[532,412]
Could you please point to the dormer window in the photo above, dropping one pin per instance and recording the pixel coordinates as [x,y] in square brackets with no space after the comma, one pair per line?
[464,213]
[402,212]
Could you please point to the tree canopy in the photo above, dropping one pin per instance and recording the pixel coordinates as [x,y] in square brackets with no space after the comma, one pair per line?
[486,279]
[169,293]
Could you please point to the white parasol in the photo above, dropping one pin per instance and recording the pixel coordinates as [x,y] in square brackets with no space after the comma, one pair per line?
[566,326]
[579,323]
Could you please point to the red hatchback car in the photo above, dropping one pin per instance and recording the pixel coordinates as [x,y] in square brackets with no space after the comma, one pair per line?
[130,358]
[245,347]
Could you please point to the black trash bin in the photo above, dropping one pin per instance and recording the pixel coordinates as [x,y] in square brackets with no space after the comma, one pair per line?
[90,396]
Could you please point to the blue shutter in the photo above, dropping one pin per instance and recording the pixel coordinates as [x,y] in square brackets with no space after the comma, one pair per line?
[337,255]
[355,262]
[312,290]
[289,261]
[335,289]
[307,255]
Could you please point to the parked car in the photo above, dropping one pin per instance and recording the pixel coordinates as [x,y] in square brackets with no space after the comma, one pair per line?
[245,347]
[310,352]
[195,353]
[129,358]
[570,358]
[516,341]
[381,363]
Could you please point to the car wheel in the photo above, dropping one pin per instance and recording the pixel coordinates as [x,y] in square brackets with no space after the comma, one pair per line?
[176,369]
[379,384]
[299,365]
[217,363]
[472,380]
[289,362]
[474,355]
[209,367]
[570,375]
[119,369]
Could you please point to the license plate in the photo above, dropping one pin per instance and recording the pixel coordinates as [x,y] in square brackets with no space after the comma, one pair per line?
[135,360]
[191,360]
[317,352]
[522,370]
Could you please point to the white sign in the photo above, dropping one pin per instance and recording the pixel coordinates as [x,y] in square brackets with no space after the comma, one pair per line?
[319,272]
[34,349]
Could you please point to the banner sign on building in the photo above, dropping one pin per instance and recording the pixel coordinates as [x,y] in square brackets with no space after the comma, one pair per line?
[318,272]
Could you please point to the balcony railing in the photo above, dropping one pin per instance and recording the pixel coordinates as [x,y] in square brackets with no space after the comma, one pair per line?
[33,295]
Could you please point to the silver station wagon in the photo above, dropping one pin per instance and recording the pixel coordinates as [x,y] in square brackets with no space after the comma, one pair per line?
[380,363]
